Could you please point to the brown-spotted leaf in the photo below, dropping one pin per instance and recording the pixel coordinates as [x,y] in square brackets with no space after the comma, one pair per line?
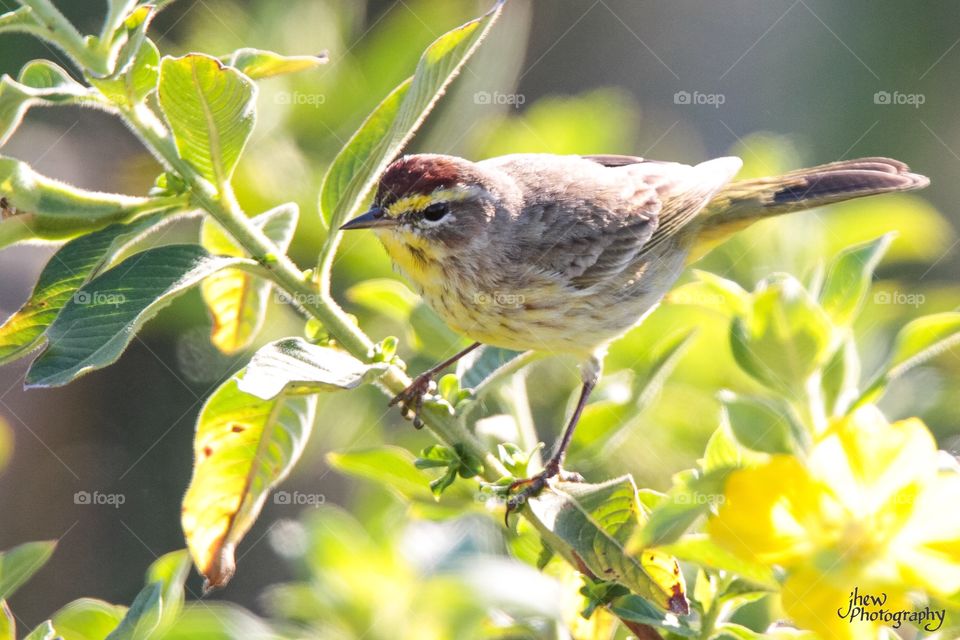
[591,525]
[243,447]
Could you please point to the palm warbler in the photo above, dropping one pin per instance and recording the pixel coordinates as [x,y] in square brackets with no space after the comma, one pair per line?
[566,253]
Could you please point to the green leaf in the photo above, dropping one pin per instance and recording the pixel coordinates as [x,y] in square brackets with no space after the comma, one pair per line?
[694,494]
[703,552]
[117,11]
[17,565]
[482,363]
[849,278]
[841,377]
[237,300]
[65,272]
[637,609]
[296,366]
[917,342]
[386,131]
[391,467]
[722,450]
[170,571]
[8,625]
[19,20]
[101,319]
[765,425]
[784,337]
[137,75]
[87,619]
[211,112]
[143,616]
[244,446]
[44,632]
[923,339]
[591,526]
[36,207]
[40,83]
[257,64]
[712,292]
[737,632]
[456,461]
[386,296]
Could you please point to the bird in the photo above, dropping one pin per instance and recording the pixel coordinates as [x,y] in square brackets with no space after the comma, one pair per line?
[566,253]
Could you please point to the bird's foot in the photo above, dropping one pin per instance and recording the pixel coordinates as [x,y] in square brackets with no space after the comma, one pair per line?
[519,491]
[411,398]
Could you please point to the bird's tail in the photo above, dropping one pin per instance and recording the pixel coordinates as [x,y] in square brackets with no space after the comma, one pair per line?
[743,202]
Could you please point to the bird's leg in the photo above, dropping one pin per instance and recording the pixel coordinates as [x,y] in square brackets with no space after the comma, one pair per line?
[411,398]
[521,490]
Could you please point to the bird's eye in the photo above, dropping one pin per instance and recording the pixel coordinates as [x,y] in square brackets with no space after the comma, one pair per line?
[435,211]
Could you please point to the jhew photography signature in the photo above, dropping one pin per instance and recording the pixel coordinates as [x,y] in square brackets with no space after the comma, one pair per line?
[870,608]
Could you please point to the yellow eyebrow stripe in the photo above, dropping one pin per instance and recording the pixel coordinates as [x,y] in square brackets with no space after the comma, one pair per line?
[420,202]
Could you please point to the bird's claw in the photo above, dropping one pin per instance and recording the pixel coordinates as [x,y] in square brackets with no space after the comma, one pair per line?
[519,491]
[411,399]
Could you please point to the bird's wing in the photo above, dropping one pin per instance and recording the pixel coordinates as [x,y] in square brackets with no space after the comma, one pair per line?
[589,218]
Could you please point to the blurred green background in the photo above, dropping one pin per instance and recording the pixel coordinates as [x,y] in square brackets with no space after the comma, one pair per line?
[781,84]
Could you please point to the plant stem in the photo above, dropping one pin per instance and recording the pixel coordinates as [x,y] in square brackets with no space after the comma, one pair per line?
[56,29]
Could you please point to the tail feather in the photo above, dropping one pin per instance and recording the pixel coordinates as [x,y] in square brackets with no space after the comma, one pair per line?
[748,200]
[740,204]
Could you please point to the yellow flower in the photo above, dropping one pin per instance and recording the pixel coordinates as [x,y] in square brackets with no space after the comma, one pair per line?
[868,509]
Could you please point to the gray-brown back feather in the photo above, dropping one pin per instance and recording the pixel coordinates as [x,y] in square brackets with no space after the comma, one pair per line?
[591,219]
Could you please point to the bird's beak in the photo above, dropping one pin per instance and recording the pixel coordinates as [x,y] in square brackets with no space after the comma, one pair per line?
[376,217]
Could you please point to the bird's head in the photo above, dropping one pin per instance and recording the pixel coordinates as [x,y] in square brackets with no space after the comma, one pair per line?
[431,205]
